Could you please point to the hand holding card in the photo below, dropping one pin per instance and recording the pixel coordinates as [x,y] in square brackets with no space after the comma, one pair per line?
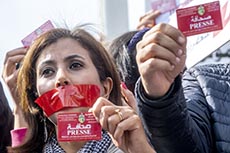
[78,127]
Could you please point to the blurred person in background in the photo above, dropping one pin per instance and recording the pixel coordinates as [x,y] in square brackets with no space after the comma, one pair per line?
[6,123]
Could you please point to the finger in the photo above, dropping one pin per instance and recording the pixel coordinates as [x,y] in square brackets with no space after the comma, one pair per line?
[148,20]
[156,51]
[118,116]
[159,38]
[10,65]
[131,123]
[154,64]
[112,115]
[150,15]
[11,58]
[129,97]
[15,52]
[102,109]
[97,106]
[113,120]
[168,30]
[146,14]
[154,14]
[179,68]
[107,122]
[147,24]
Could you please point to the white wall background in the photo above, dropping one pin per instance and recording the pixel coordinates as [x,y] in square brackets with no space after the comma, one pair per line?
[113,17]
[20,17]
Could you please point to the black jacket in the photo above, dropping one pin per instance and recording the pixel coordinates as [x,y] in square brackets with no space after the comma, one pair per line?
[194,118]
[6,122]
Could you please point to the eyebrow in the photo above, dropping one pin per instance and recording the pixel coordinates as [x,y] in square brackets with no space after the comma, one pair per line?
[47,62]
[73,56]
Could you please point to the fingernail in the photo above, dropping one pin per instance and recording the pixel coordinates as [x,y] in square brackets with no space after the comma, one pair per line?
[26,46]
[181,40]
[180,52]
[177,59]
[123,85]
[172,67]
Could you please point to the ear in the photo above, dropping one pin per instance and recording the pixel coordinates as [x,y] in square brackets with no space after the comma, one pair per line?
[107,87]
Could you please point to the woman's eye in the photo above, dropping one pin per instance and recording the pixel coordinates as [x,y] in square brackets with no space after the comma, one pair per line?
[76,65]
[47,72]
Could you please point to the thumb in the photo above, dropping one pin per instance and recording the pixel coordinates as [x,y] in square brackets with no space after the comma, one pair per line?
[128,96]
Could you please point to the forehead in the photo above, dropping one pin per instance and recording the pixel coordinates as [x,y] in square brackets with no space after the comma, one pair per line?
[64,47]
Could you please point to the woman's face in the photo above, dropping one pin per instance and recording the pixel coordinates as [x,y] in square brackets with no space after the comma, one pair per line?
[66,62]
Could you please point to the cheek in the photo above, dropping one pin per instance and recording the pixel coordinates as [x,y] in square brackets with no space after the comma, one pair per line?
[102,91]
[44,86]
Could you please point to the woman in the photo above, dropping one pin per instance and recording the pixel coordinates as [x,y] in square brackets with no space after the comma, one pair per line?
[61,57]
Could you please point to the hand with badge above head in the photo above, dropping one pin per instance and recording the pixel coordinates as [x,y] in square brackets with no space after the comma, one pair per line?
[12,63]
[10,72]
[14,58]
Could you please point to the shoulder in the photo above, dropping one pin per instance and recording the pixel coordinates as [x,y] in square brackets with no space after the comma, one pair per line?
[207,79]
[211,70]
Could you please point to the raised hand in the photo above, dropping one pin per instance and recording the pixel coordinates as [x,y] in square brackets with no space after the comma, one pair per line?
[10,71]
[160,57]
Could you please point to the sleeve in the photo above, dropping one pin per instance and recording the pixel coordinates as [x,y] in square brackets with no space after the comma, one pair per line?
[179,121]
[18,136]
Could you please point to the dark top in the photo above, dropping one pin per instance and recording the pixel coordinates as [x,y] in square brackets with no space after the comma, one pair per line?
[6,121]
[194,117]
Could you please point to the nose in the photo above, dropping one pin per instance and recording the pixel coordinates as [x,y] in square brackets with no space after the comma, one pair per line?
[62,82]
[62,79]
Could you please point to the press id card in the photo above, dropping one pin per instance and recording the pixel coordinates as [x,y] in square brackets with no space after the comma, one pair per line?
[199,19]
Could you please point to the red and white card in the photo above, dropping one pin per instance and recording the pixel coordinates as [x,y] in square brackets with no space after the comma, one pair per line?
[28,40]
[199,19]
[78,127]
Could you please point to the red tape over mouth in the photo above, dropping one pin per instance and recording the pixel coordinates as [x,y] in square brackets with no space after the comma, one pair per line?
[68,96]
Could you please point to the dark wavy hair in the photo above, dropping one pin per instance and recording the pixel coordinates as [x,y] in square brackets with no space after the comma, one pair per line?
[125,59]
[123,50]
